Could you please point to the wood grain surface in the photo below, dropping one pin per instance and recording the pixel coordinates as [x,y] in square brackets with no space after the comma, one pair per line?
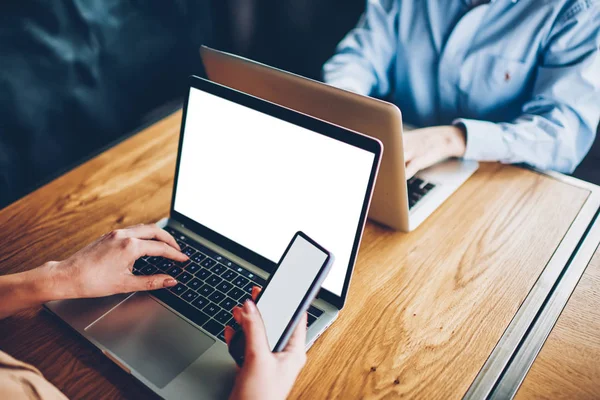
[568,367]
[425,309]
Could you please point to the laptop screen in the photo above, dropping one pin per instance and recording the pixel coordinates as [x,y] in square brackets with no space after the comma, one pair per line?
[257,180]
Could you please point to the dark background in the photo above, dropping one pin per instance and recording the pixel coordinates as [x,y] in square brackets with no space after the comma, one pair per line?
[77,76]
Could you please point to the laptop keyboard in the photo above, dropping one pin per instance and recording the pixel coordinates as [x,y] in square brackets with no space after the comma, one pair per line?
[209,285]
[417,189]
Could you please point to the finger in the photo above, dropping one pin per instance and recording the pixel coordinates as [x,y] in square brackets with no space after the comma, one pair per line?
[410,147]
[151,282]
[423,161]
[159,249]
[297,342]
[411,170]
[237,314]
[229,332]
[254,330]
[152,232]
[255,292]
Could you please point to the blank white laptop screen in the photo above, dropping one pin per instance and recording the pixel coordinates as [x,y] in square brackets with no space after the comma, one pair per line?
[258,180]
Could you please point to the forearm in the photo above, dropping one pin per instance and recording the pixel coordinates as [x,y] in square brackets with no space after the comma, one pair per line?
[31,288]
[556,140]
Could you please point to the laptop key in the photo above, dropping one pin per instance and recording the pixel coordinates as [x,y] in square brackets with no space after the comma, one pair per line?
[200,302]
[206,290]
[198,257]
[244,297]
[218,269]
[236,293]
[208,262]
[221,259]
[192,268]
[203,274]
[234,325]
[213,280]
[165,265]
[149,269]
[213,327]
[193,314]
[248,287]
[224,286]
[240,281]
[229,275]
[245,272]
[189,295]
[223,316]
[216,296]
[174,271]
[178,289]
[211,309]
[184,277]
[228,303]
[221,336]
[155,260]
[311,319]
[189,251]
[195,284]
[229,264]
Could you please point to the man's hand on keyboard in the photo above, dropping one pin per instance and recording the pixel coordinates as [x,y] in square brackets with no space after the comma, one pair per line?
[104,267]
[428,146]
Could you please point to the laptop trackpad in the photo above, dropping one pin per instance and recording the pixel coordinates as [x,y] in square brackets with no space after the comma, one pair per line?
[150,339]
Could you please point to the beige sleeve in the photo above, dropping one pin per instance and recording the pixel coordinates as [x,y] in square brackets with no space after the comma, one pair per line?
[22,381]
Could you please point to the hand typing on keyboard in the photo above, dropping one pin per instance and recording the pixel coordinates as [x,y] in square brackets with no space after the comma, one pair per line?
[102,268]
[428,146]
[105,266]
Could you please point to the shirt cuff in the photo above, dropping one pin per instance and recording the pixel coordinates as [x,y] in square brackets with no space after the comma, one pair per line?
[485,140]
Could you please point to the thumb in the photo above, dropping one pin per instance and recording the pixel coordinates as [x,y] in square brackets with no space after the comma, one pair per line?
[151,282]
[254,330]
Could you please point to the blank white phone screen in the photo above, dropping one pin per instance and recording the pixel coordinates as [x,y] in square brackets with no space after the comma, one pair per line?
[258,180]
[289,285]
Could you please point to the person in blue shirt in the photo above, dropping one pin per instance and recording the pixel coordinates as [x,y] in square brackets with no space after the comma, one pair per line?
[516,81]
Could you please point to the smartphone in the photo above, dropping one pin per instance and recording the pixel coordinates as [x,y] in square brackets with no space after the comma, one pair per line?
[288,293]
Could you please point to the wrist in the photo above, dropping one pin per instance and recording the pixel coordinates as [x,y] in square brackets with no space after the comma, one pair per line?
[457,140]
[50,282]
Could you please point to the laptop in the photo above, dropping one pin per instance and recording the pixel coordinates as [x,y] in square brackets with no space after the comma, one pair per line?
[249,174]
[400,204]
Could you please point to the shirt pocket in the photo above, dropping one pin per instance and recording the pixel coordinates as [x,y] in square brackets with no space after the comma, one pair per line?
[494,87]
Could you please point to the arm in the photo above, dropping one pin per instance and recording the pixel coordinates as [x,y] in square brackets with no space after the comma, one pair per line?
[101,269]
[364,56]
[558,124]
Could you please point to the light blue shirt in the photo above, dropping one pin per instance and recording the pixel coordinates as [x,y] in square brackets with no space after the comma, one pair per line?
[523,76]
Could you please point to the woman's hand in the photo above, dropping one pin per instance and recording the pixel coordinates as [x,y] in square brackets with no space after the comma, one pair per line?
[104,267]
[266,375]
[100,269]
[428,146]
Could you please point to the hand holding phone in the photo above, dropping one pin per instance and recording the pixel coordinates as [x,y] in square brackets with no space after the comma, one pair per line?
[288,293]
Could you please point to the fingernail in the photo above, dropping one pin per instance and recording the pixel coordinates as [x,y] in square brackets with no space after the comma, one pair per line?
[250,306]
[170,282]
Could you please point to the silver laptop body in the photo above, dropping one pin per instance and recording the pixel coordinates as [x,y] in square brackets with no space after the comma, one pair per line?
[164,341]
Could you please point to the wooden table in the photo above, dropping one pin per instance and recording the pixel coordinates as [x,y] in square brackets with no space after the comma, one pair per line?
[568,367]
[424,311]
